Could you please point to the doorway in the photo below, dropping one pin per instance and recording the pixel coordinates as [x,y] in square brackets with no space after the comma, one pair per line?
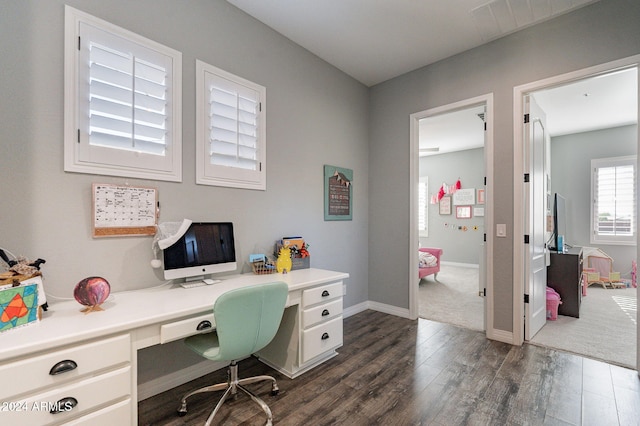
[479,109]
[579,196]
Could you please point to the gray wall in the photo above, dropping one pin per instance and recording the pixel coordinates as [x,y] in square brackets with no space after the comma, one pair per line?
[571,176]
[598,33]
[459,246]
[316,115]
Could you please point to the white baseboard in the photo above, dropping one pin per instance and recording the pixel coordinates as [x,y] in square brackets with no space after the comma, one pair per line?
[461,265]
[389,309]
[355,309]
[177,378]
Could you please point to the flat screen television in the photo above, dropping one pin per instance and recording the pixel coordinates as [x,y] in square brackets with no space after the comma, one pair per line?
[205,248]
[559,223]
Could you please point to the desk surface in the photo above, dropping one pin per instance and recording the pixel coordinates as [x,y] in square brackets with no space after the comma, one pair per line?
[63,323]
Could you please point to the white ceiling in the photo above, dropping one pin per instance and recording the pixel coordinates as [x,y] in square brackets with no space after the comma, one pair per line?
[594,103]
[376,40]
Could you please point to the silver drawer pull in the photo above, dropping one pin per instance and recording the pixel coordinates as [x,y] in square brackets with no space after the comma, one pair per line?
[325,293]
[204,325]
[63,367]
[325,312]
[64,405]
[325,336]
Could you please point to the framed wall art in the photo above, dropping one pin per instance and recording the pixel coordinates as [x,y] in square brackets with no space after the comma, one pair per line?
[444,206]
[338,193]
[463,212]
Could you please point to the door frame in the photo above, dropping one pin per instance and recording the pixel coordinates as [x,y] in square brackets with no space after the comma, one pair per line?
[518,172]
[414,174]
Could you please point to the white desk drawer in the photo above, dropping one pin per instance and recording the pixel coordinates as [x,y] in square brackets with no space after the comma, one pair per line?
[321,313]
[88,394]
[321,294]
[185,328]
[321,338]
[34,373]
[116,414]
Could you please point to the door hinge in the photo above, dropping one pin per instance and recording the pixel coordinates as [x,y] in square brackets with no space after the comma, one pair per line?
[78,42]
[483,293]
[526,239]
[485,126]
[78,135]
[485,181]
[485,237]
[526,178]
[526,298]
[526,118]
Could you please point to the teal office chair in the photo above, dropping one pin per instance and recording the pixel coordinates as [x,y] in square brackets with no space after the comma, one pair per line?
[246,319]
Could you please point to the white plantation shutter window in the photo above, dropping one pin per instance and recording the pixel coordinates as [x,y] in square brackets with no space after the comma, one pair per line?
[423,206]
[122,113]
[614,203]
[230,135]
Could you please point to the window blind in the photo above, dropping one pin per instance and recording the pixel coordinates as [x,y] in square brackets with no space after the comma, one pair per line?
[423,218]
[615,200]
[127,101]
[233,118]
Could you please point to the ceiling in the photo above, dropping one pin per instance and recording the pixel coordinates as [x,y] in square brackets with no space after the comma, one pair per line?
[594,103]
[376,40]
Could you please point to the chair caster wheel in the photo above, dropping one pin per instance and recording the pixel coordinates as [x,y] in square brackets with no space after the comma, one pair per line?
[182,411]
[275,392]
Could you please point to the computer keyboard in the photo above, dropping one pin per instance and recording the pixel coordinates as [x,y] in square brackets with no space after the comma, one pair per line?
[192,284]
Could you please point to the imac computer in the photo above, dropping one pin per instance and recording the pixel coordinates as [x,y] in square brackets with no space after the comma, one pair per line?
[202,248]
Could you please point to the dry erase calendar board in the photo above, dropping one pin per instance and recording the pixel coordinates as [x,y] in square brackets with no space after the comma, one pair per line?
[124,210]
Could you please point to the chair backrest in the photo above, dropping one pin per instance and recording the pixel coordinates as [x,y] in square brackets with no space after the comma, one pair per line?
[603,265]
[248,318]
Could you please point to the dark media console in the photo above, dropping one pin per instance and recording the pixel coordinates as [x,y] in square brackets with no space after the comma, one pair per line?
[564,275]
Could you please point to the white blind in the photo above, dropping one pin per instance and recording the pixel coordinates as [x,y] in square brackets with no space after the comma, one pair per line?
[614,204]
[127,101]
[233,130]
[423,206]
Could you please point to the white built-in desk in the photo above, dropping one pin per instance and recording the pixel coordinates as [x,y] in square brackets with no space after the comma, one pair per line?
[96,352]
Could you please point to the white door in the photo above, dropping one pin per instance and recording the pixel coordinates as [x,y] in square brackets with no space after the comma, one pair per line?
[535,221]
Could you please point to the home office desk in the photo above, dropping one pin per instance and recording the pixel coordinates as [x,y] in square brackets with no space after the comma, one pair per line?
[84,366]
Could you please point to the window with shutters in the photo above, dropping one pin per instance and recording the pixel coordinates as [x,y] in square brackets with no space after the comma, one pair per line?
[423,206]
[230,130]
[613,191]
[122,102]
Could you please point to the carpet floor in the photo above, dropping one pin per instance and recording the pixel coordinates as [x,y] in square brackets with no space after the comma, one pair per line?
[606,329]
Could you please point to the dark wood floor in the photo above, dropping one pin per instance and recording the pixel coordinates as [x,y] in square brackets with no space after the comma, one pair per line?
[393,371]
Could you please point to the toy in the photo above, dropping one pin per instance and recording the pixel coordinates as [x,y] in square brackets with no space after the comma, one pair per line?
[283,263]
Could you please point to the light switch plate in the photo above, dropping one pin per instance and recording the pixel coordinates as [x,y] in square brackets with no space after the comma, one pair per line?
[501,230]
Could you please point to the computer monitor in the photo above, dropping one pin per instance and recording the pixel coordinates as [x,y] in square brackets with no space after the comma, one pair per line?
[205,248]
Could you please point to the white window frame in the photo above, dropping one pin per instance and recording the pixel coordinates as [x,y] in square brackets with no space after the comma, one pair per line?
[597,238]
[423,206]
[82,157]
[226,175]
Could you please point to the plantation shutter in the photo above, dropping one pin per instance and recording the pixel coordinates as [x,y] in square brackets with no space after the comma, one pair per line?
[233,118]
[127,101]
[122,100]
[231,139]
[614,204]
[423,207]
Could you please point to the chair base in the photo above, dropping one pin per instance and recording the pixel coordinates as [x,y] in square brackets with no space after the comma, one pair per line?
[231,389]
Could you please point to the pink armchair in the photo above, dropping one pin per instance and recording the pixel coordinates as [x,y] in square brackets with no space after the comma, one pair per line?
[429,268]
